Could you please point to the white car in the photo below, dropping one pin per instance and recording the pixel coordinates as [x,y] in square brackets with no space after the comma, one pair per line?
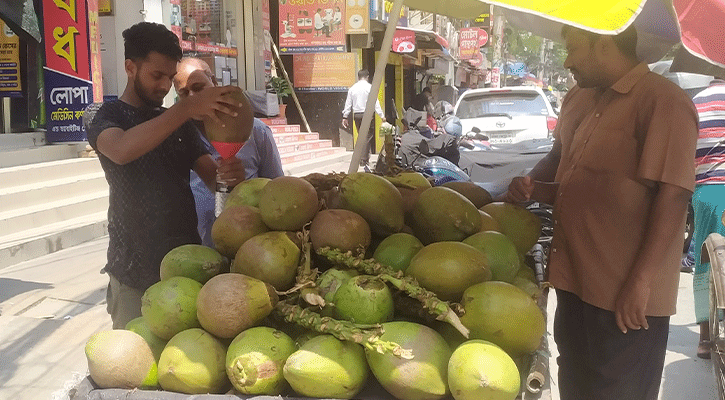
[507,115]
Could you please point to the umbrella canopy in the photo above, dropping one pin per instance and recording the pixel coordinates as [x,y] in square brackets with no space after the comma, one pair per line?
[21,18]
[697,24]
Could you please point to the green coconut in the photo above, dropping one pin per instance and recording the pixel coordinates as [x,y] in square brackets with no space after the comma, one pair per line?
[505,315]
[425,376]
[287,203]
[488,223]
[255,359]
[476,194]
[327,367]
[139,326]
[247,193]
[194,261]
[375,199]
[120,359]
[479,370]
[169,307]
[503,258]
[364,299]
[448,268]
[230,303]
[271,257]
[234,226]
[521,225]
[397,250]
[193,362]
[442,214]
[409,179]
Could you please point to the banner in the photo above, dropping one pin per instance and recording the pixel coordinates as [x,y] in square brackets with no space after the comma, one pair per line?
[105,7]
[403,41]
[324,72]
[309,26]
[175,17]
[9,62]
[358,17]
[68,85]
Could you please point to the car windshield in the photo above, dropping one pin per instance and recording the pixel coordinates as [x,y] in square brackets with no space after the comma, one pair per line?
[497,104]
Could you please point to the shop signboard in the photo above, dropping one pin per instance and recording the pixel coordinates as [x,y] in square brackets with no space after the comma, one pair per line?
[266,27]
[357,17]
[311,26]
[468,43]
[403,41]
[495,77]
[105,7]
[483,20]
[9,62]
[324,72]
[175,17]
[69,84]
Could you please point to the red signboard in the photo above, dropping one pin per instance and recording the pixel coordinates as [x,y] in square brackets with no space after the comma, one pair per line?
[95,44]
[66,48]
[468,43]
[403,41]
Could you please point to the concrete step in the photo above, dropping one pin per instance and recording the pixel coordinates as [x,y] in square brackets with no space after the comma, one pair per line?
[36,194]
[274,121]
[40,154]
[295,137]
[276,129]
[47,239]
[325,165]
[27,218]
[30,174]
[295,147]
[309,154]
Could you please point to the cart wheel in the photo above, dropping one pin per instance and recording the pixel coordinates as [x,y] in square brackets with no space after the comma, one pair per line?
[717,338]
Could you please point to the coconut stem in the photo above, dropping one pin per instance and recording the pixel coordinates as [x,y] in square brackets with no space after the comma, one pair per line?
[306,276]
[441,309]
[343,330]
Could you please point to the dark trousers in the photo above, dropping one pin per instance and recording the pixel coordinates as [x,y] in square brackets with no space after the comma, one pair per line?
[598,362]
[371,136]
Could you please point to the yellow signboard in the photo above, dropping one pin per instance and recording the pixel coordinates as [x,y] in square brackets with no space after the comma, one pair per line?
[9,62]
[105,7]
[324,72]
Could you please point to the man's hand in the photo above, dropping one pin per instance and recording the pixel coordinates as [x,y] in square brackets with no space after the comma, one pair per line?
[521,189]
[230,171]
[629,309]
[344,123]
[207,102]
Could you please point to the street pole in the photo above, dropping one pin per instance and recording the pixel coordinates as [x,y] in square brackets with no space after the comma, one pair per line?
[362,135]
[498,25]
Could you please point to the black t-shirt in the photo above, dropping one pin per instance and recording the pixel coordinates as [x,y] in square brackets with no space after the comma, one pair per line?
[151,208]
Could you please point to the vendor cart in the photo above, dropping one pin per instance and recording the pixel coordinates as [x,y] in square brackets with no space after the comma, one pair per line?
[714,252]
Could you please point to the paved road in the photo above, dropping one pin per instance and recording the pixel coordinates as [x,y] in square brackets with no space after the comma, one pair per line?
[51,305]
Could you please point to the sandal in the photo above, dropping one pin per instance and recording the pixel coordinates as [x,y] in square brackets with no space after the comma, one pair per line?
[703,349]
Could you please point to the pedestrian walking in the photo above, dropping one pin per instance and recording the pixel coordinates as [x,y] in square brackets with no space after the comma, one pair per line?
[355,103]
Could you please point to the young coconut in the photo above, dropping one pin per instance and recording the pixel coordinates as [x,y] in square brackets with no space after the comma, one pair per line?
[234,226]
[479,369]
[255,359]
[138,325]
[246,193]
[271,257]
[364,299]
[422,377]
[230,303]
[193,362]
[194,261]
[169,307]
[341,229]
[120,359]
[326,367]
[287,203]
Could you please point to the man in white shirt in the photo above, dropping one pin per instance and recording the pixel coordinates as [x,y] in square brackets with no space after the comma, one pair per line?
[357,97]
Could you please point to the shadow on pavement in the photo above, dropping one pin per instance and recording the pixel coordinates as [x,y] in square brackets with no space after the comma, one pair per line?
[10,287]
[688,379]
[15,349]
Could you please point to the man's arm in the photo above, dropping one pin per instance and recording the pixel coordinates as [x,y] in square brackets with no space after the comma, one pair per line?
[348,104]
[379,110]
[667,216]
[122,147]
[206,167]
[539,184]
[230,171]
[270,162]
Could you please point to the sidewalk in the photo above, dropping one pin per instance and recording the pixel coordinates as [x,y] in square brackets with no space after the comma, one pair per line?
[51,305]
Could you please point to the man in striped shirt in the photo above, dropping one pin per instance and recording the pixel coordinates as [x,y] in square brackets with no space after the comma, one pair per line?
[708,200]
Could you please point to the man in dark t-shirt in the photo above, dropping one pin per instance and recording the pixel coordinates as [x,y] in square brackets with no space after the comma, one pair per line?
[146,152]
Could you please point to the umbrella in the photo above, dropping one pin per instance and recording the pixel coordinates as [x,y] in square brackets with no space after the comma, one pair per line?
[695,24]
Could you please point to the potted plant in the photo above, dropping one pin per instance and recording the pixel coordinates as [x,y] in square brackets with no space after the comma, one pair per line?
[283,89]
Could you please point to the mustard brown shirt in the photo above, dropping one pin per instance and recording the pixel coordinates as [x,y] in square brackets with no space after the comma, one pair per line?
[617,144]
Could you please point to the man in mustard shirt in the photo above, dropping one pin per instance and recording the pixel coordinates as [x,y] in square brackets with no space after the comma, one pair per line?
[619,176]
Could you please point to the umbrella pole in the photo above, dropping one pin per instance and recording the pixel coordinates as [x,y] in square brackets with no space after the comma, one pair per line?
[362,135]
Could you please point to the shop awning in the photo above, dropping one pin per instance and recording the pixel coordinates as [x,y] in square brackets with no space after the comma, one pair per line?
[461,9]
[20,16]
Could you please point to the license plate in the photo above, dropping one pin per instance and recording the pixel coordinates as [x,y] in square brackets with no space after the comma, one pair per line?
[498,138]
